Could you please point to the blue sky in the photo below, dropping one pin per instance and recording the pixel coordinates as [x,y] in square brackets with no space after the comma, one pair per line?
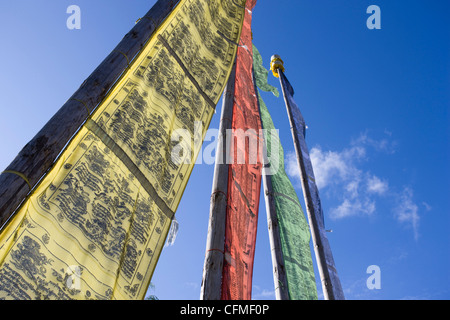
[376,103]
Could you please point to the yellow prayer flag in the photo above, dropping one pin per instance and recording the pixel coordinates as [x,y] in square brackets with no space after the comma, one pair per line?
[96,224]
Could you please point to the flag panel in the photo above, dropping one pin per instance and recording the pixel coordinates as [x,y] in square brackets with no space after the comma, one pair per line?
[244,181]
[293,226]
[96,224]
[330,281]
[294,232]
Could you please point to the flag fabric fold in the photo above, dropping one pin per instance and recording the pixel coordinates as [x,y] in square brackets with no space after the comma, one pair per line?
[261,74]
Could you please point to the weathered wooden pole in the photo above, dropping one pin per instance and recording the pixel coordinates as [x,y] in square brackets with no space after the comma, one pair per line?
[213,267]
[279,270]
[37,157]
[331,284]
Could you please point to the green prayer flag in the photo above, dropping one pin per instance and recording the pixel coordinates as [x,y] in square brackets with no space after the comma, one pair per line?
[262,73]
[294,230]
[293,226]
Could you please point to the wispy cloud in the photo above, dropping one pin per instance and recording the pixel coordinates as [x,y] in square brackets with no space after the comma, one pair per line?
[426,206]
[192,285]
[356,289]
[291,167]
[376,185]
[407,212]
[259,293]
[329,166]
[351,207]
[341,174]
[385,144]
[340,170]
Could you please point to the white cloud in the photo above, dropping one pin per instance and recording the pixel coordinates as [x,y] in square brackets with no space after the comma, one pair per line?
[262,294]
[292,166]
[386,145]
[352,207]
[426,206]
[340,175]
[192,285]
[331,165]
[352,187]
[328,166]
[407,211]
[376,185]
[340,170]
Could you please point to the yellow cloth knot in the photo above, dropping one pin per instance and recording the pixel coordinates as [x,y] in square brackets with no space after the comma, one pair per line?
[275,64]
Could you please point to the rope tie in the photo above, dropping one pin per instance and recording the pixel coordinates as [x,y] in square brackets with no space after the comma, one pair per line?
[275,64]
[126,57]
[280,285]
[20,174]
[145,17]
[84,104]
[218,191]
[225,118]
[221,251]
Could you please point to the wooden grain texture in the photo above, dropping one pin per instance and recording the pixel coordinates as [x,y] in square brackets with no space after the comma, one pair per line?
[278,266]
[37,157]
[279,270]
[213,267]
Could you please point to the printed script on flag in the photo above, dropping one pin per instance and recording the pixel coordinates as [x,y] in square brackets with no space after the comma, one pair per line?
[96,224]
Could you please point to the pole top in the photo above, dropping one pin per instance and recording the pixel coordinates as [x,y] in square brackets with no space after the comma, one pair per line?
[275,64]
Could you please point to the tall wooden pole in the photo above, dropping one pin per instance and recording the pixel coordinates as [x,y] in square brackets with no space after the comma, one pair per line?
[279,270]
[37,157]
[331,284]
[213,267]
